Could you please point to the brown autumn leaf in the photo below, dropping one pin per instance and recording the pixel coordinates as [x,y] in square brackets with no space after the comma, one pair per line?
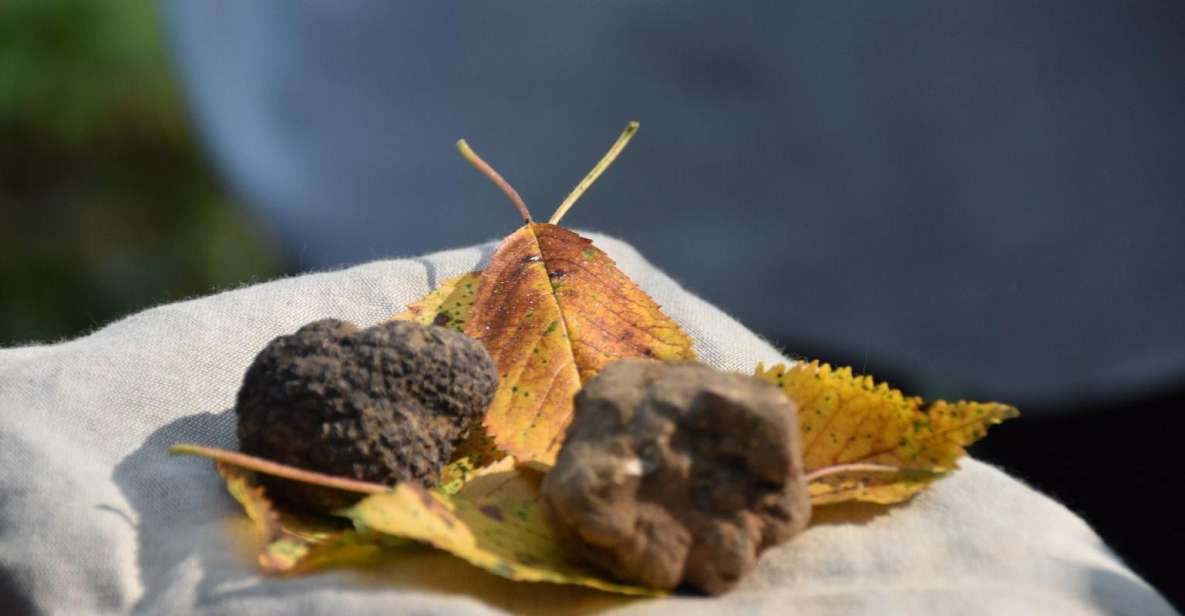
[552,309]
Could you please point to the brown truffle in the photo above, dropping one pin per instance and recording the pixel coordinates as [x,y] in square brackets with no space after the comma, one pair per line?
[678,473]
[383,404]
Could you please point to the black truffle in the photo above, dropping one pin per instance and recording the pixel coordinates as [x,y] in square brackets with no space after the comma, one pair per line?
[678,473]
[383,404]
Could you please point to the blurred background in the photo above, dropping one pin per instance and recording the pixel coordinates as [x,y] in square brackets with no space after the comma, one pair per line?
[107,206]
[981,200]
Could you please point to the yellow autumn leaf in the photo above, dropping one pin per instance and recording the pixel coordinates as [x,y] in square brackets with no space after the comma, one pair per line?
[866,441]
[293,543]
[448,305]
[495,522]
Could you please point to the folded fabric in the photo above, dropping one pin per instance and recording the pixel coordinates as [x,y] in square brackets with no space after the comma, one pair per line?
[95,517]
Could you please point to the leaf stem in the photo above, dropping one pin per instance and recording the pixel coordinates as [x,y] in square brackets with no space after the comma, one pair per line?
[850,468]
[267,467]
[596,172]
[495,177]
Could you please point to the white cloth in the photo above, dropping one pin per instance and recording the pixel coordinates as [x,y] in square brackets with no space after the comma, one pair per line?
[95,517]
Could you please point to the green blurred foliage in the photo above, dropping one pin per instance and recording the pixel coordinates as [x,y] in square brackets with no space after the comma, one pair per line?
[106,204]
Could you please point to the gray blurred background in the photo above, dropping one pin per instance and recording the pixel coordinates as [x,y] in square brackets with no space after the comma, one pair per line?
[969,199]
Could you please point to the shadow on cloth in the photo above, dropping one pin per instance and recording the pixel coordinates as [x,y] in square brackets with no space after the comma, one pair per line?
[1114,591]
[195,548]
[431,271]
[171,498]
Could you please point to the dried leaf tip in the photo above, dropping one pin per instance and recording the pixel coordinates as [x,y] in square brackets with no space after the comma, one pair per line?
[495,177]
[596,172]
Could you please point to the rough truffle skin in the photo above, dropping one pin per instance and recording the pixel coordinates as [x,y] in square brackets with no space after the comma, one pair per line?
[678,473]
[384,404]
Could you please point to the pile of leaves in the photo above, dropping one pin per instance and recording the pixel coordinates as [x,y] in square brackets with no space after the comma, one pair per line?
[552,310]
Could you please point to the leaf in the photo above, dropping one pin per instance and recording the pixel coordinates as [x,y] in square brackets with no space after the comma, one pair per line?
[552,310]
[448,305]
[456,475]
[866,441]
[574,335]
[291,543]
[463,472]
[498,526]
